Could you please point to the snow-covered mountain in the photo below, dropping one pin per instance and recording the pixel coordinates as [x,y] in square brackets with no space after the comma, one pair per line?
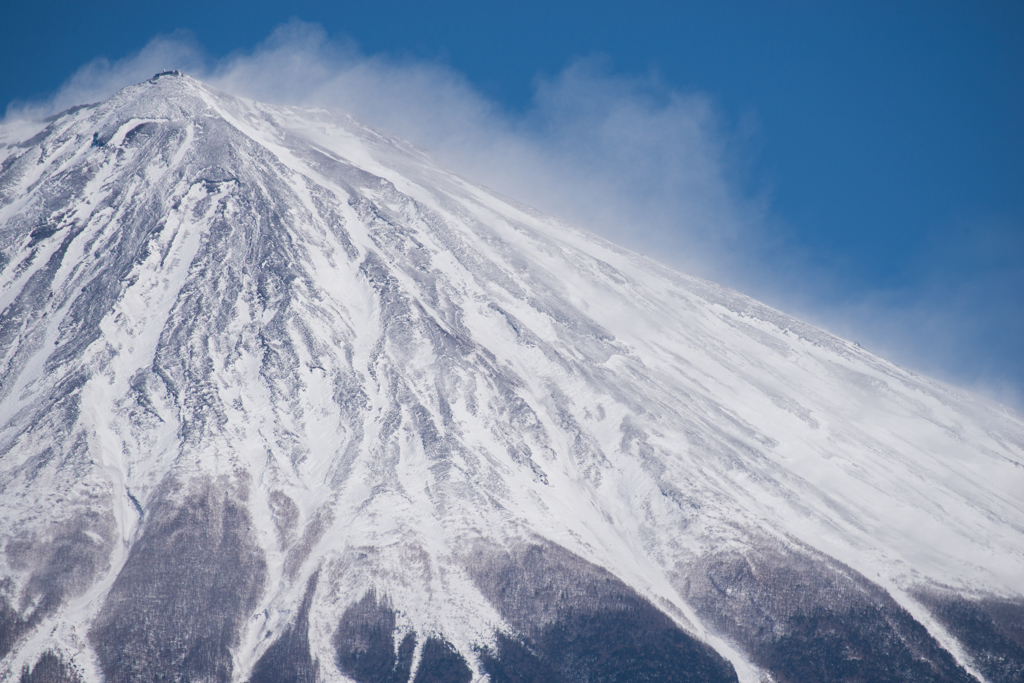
[283,400]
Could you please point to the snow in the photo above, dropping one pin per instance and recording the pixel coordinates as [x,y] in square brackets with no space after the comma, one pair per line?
[774,427]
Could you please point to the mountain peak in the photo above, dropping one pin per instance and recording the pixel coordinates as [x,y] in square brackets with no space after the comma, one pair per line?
[283,399]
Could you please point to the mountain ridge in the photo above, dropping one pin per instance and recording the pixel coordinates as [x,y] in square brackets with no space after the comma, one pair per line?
[263,344]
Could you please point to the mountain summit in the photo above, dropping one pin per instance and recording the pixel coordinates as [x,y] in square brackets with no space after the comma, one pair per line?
[283,400]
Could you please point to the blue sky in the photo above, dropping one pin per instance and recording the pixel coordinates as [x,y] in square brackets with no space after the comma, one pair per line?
[858,164]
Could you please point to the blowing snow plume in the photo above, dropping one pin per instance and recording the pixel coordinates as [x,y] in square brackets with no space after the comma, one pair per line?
[284,400]
[633,160]
[658,170]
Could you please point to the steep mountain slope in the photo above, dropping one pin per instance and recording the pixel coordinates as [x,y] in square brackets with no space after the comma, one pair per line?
[281,400]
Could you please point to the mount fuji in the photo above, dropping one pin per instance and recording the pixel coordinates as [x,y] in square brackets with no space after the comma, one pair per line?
[281,399]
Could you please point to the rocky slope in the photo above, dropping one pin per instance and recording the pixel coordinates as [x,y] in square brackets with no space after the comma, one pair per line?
[282,400]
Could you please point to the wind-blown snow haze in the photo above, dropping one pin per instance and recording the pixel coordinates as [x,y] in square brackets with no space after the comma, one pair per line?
[650,167]
[663,171]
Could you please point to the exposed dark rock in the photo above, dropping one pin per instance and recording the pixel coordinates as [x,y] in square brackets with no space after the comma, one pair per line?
[990,629]
[440,663]
[514,661]
[288,660]
[176,608]
[580,623]
[805,617]
[50,668]
[365,643]
[12,626]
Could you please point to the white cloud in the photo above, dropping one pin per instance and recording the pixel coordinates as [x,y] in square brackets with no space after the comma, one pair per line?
[101,78]
[625,157]
[655,169]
